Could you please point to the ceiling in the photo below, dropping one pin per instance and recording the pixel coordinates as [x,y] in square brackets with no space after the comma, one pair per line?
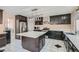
[42,10]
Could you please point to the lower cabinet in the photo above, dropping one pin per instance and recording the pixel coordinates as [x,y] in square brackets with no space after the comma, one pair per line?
[8,36]
[33,44]
[69,45]
[55,34]
[41,42]
[2,40]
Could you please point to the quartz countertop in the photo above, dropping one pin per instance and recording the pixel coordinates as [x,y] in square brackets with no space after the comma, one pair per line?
[74,39]
[32,34]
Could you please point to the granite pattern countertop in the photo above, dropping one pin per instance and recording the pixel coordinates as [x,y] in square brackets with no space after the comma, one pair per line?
[32,34]
[74,39]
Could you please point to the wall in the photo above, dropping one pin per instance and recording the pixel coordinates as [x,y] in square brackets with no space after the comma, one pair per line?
[77,25]
[9,21]
[62,27]
[30,24]
[1,28]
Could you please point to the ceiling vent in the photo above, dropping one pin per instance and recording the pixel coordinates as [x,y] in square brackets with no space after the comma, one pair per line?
[34,9]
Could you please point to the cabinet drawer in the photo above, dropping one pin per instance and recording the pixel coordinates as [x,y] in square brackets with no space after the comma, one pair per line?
[2,35]
[3,42]
[2,38]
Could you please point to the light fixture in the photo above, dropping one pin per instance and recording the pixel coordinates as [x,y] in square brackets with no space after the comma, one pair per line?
[63,17]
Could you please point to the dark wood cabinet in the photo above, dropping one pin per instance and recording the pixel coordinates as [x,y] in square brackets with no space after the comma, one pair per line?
[60,19]
[3,40]
[20,25]
[33,44]
[41,41]
[1,16]
[55,35]
[21,18]
[70,47]
[8,36]
[39,21]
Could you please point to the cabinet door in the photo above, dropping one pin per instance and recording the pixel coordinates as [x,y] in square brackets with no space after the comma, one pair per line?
[55,35]
[59,35]
[66,44]
[42,41]
[40,45]
[61,19]
[52,34]
[8,36]
[39,21]
[1,16]
[2,40]
[49,33]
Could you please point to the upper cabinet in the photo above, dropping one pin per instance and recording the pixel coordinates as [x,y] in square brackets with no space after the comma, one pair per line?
[21,18]
[1,16]
[60,19]
[39,21]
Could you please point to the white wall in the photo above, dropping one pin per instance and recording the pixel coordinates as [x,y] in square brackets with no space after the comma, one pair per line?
[77,22]
[31,23]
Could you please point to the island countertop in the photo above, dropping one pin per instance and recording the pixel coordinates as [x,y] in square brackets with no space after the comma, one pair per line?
[32,34]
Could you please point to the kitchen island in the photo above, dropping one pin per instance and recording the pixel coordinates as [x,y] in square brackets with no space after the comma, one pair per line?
[33,40]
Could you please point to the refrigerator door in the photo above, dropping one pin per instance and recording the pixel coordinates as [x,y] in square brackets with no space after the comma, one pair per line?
[23,27]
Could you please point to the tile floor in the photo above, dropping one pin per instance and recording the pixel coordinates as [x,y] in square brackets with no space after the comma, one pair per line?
[49,46]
